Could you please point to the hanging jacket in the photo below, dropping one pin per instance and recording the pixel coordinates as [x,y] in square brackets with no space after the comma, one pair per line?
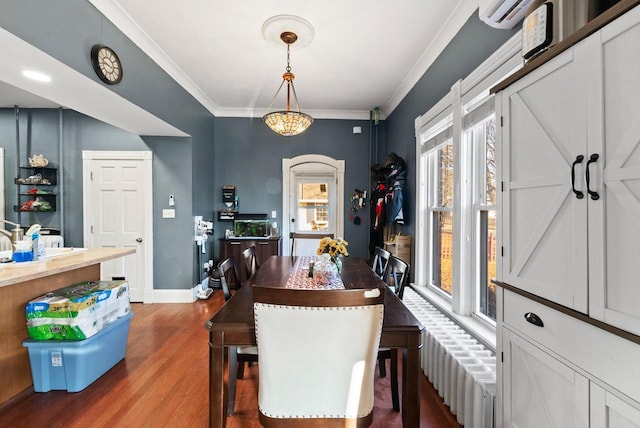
[378,208]
[394,201]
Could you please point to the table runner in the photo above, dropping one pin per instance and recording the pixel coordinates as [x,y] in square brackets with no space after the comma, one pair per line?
[322,280]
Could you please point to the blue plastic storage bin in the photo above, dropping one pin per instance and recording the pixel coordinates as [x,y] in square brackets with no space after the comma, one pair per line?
[74,365]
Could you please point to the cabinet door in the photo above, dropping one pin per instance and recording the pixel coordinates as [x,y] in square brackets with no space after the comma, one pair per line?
[266,249]
[610,411]
[614,220]
[545,128]
[540,391]
[234,249]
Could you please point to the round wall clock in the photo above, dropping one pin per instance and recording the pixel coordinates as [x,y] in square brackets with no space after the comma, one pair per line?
[106,64]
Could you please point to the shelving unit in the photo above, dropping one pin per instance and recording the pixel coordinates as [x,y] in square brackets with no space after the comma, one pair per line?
[40,198]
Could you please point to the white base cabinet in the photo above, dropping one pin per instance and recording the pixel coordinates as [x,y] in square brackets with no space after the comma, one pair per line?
[610,411]
[565,373]
[541,392]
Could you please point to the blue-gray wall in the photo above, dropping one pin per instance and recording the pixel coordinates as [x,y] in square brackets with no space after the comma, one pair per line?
[473,44]
[39,133]
[66,30]
[249,155]
[245,152]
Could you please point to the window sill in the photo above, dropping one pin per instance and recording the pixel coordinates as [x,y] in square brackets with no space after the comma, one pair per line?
[481,331]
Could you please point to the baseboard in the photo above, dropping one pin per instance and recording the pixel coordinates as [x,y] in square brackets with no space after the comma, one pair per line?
[175,296]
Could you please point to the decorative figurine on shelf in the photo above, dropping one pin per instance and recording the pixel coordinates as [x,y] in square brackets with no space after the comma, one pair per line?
[38,161]
[331,249]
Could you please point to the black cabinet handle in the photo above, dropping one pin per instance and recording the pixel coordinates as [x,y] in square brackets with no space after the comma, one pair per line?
[578,160]
[533,319]
[593,158]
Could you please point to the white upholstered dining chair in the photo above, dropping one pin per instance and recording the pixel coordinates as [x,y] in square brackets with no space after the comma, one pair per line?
[317,353]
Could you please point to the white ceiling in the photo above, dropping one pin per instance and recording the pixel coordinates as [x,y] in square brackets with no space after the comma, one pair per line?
[365,53]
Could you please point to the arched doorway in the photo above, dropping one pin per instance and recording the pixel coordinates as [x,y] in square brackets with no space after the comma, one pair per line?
[312,197]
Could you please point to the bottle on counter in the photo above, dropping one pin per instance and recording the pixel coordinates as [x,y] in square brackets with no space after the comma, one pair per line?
[35,242]
[23,251]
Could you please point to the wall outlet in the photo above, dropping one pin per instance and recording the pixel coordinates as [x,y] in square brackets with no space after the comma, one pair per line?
[273,214]
[169,213]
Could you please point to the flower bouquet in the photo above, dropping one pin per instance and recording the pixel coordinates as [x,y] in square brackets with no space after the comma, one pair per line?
[333,248]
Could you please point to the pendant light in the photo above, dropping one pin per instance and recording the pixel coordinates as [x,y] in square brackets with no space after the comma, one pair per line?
[287,122]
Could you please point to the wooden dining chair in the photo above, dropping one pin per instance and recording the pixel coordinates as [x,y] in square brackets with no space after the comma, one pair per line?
[316,236]
[251,263]
[302,381]
[380,260]
[396,276]
[228,272]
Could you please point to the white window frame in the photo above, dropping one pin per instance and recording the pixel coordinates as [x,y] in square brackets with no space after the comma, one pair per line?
[432,184]
[461,303]
[478,204]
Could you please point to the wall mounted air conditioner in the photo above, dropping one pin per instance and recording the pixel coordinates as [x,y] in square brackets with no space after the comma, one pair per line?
[503,13]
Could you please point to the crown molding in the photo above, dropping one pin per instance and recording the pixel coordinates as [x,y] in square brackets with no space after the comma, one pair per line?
[112,108]
[114,13]
[449,29]
[123,21]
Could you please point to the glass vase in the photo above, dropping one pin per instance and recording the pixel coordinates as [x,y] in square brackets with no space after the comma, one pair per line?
[337,261]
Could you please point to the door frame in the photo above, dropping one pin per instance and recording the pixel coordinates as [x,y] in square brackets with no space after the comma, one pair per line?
[312,159]
[147,191]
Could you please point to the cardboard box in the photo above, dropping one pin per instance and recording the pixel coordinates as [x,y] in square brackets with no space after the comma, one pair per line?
[400,247]
[74,365]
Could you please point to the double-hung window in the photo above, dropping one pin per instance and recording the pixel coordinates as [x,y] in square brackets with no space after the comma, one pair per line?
[438,169]
[479,135]
[456,250]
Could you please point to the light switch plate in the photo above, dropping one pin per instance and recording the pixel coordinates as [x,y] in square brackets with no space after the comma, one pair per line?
[273,214]
[168,213]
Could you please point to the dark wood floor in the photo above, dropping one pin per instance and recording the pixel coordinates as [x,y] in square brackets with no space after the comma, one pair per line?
[163,382]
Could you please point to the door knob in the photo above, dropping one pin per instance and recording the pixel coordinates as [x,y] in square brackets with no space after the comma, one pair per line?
[139,240]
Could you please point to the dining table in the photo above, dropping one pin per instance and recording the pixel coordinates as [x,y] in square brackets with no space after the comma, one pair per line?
[233,326]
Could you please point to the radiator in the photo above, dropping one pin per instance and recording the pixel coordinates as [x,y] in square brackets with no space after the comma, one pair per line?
[461,369]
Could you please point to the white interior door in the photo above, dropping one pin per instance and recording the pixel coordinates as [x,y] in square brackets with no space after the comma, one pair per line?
[118,213]
[313,194]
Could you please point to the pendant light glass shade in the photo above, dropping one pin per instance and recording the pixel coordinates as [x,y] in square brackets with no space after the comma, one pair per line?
[287,122]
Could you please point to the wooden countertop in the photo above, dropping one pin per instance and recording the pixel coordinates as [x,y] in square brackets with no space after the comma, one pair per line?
[19,272]
[592,26]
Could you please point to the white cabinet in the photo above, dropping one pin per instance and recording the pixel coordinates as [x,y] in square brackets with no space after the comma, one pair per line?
[541,392]
[563,372]
[611,411]
[569,228]
[571,175]
[544,224]
[614,241]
